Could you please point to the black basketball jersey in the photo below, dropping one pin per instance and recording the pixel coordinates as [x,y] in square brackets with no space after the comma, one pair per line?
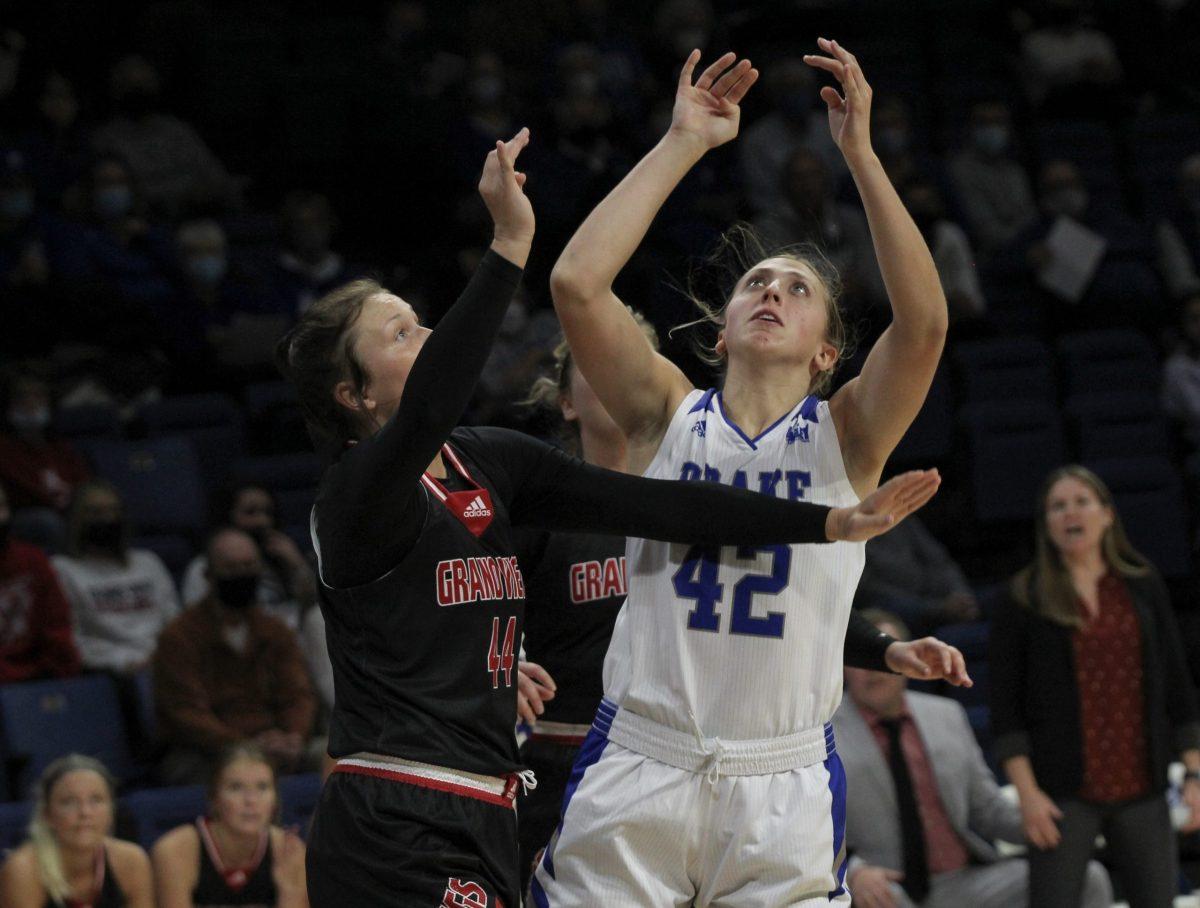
[575,586]
[425,657]
[219,885]
[108,892]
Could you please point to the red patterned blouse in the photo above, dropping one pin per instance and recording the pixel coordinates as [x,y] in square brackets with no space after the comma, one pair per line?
[1108,668]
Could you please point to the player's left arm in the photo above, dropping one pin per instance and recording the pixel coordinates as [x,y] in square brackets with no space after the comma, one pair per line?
[873,411]
[926,659]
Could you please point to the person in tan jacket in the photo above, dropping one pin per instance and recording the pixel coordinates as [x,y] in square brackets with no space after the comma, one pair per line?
[225,671]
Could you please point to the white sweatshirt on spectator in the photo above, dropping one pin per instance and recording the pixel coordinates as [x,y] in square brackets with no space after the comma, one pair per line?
[118,610]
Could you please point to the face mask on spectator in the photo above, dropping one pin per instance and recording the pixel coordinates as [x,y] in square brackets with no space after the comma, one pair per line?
[16,204]
[102,534]
[29,420]
[206,269]
[239,592]
[112,202]
[1070,201]
[992,139]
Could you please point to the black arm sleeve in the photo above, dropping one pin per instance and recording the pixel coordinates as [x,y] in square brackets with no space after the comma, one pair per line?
[866,645]
[1181,692]
[371,505]
[1008,648]
[550,489]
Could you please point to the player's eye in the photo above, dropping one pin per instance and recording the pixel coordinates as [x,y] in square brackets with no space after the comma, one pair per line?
[800,287]
[755,282]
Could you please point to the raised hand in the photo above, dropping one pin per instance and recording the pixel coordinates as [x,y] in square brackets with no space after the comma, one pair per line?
[501,187]
[850,111]
[708,111]
[883,508]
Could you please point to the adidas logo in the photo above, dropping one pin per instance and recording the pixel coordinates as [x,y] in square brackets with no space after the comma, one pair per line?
[477,508]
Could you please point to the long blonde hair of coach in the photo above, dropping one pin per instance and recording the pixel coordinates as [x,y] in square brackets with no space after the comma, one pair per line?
[45,846]
[1045,586]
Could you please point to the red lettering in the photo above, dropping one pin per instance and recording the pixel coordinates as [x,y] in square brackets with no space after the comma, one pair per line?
[577,586]
[464,894]
[462,586]
[614,579]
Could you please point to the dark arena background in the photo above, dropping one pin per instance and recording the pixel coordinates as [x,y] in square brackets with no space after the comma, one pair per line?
[181,179]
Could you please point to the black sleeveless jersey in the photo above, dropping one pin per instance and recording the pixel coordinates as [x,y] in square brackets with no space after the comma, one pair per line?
[219,885]
[108,891]
[425,658]
[575,586]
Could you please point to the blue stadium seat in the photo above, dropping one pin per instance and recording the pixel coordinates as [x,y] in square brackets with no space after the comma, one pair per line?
[266,395]
[1114,360]
[1005,369]
[154,811]
[211,422]
[1118,424]
[171,415]
[294,505]
[1149,496]
[143,685]
[1088,144]
[298,796]
[1012,447]
[175,550]
[43,720]
[159,480]
[1125,291]
[930,438]
[14,824]
[88,421]
[280,471]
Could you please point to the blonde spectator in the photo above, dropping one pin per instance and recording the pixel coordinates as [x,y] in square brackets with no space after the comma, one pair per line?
[71,858]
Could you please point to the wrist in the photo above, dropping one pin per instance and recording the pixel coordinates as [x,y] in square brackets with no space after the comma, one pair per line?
[689,143]
[861,160]
[513,248]
[832,522]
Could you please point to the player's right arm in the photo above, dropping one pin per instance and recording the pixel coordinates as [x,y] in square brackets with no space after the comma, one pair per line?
[373,507]
[176,861]
[639,387]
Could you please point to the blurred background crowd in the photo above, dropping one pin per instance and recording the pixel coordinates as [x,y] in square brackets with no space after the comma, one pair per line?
[180,179]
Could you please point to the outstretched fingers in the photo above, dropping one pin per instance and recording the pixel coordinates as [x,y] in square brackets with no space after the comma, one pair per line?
[689,66]
[718,66]
[739,88]
[731,77]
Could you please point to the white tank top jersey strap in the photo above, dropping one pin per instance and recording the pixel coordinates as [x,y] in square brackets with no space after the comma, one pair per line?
[738,645]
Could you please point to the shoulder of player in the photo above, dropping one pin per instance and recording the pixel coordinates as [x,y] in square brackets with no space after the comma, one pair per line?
[182,842]
[128,860]
[20,861]
[284,838]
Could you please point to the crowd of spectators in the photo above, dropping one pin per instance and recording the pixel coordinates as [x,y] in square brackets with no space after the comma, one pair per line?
[171,201]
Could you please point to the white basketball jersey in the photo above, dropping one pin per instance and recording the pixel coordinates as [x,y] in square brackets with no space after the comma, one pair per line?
[744,643]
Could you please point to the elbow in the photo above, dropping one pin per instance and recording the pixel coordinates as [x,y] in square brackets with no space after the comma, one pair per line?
[572,284]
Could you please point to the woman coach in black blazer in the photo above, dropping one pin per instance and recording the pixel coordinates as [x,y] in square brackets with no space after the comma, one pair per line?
[1091,700]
